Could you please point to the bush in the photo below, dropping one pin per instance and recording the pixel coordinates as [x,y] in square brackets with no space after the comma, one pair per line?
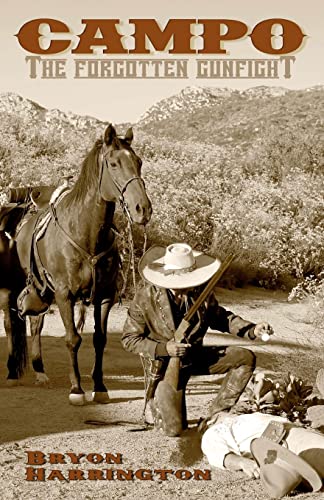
[261,198]
[311,291]
[30,154]
[273,222]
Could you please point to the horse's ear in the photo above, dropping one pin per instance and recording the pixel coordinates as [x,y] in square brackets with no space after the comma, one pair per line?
[110,134]
[129,136]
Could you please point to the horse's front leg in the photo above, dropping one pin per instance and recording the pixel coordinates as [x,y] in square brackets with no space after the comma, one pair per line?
[101,311]
[36,326]
[73,341]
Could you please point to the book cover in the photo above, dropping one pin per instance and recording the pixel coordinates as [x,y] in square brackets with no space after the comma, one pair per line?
[225,103]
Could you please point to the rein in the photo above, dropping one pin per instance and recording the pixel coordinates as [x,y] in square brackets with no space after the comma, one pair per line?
[131,262]
[94,259]
[122,189]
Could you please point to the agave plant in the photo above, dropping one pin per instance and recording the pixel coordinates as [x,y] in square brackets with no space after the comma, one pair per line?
[289,397]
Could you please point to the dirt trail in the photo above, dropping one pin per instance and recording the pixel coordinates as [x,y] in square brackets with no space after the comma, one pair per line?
[38,418]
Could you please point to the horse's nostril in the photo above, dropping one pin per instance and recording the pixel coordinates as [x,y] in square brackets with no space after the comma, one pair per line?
[138,208]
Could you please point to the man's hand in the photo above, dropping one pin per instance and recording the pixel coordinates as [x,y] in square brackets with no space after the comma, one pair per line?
[177,349]
[250,468]
[247,465]
[263,331]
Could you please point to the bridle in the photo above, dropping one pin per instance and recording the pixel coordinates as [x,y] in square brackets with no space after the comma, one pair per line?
[91,258]
[104,163]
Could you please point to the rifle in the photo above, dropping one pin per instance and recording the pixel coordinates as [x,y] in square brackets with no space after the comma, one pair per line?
[168,398]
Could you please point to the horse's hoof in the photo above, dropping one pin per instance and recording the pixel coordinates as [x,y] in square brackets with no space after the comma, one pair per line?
[41,379]
[100,397]
[77,399]
[12,382]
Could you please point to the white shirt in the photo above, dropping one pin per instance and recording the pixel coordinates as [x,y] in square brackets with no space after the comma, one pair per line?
[234,435]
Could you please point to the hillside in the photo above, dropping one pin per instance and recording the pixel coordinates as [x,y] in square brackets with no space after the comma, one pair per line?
[212,115]
[222,116]
[226,171]
[193,98]
[11,103]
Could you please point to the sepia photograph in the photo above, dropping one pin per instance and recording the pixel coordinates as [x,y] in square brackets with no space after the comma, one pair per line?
[161,250]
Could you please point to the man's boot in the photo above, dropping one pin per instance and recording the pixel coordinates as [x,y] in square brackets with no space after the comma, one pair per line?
[153,373]
[232,387]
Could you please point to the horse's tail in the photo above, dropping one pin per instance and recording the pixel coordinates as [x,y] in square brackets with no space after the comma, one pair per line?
[82,317]
[19,352]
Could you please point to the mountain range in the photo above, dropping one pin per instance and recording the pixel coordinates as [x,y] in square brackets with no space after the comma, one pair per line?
[192,98]
[204,114]
[12,103]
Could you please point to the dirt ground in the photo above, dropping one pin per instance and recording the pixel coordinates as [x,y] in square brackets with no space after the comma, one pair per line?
[34,418]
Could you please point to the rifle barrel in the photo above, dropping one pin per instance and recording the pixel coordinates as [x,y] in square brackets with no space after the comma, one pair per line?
[207,290]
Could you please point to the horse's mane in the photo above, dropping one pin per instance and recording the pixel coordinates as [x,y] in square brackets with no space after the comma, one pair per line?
[88,175]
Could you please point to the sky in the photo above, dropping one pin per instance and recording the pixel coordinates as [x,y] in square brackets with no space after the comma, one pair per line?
[121,100]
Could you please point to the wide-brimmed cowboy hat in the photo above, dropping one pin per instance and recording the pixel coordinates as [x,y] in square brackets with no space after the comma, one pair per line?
[281,470]
[177,266]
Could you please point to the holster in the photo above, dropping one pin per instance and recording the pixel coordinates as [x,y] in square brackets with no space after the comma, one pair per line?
[275,431]
[171,417]
[154,370]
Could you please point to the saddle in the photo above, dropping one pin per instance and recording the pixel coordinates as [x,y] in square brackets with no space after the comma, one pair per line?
[36,297]
[39,195]
[20,201]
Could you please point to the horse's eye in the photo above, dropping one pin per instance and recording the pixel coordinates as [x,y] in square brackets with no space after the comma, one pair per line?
[113,164]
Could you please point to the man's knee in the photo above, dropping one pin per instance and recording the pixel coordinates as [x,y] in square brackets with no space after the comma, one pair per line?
[243,357]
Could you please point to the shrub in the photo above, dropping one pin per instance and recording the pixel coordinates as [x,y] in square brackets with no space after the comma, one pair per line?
[311,291]
[258,194]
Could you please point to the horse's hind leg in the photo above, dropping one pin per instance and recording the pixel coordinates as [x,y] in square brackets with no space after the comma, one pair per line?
[16,337]
[36,326]
[101,311]
[73,341]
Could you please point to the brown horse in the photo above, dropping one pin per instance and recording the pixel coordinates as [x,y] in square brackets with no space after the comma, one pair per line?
[78,253]
[22,202]
[11,281]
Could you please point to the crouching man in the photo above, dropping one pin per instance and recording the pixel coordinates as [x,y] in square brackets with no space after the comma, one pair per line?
[172,282]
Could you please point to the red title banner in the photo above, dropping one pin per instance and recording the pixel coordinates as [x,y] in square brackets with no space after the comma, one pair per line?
[177,33]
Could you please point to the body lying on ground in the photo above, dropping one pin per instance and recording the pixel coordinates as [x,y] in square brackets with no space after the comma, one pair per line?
[282,453]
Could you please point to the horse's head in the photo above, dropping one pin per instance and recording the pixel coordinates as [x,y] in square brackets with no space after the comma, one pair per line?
[121,176]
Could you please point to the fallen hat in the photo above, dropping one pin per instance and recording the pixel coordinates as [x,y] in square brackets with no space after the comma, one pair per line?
[281,470]
[177,266]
